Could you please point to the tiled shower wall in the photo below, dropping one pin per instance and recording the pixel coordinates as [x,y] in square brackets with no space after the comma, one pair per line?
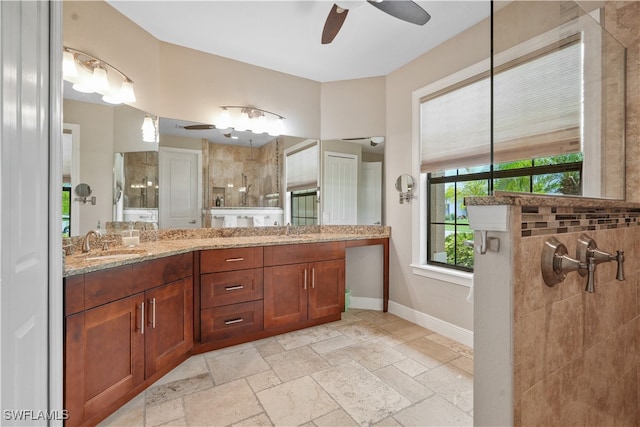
[576,354]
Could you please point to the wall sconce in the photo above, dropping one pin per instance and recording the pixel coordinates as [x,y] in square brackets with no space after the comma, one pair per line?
[90,74]
[405,185]
[149,129]
[251,119]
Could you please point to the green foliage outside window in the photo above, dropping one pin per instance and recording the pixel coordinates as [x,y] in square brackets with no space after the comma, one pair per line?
[522,176]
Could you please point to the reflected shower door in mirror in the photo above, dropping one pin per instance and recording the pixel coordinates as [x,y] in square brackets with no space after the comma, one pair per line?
[135,186]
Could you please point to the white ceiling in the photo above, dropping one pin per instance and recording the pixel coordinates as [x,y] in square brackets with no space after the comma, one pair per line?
[285,35]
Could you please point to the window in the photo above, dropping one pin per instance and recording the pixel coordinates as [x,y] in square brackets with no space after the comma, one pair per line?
[304,207]
[301,181]
[537,145]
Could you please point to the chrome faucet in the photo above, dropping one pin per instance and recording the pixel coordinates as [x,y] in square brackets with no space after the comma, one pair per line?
[85,242]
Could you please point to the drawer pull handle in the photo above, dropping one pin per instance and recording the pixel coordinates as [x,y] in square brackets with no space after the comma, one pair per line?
[232,321]
[141,318]
[233,288]
[305,278]
[153,313]
[234,259]
[313,278]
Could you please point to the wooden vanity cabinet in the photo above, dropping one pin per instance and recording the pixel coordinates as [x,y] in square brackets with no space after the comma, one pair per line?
[302,283]
[231,290]
[124,327]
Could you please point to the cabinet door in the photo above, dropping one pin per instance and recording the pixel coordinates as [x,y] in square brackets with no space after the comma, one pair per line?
[104,356]
[326,290]
[285,295]
[169,329]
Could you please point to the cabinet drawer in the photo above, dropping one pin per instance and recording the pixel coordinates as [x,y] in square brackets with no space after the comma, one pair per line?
[230,287]
[216,260]
[149,274]
[231,321]
[305,252]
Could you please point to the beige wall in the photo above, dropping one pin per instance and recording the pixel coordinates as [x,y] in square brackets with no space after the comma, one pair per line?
[441,300]
[96,156]
[353,108]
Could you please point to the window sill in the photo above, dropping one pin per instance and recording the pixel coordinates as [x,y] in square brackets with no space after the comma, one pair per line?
[456,277]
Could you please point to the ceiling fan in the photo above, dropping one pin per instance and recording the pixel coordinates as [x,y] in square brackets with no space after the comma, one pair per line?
[405,10]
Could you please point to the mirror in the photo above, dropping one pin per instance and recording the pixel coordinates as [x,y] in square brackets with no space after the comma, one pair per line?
[83,190]
[405,183]
[135,190]
[94,132]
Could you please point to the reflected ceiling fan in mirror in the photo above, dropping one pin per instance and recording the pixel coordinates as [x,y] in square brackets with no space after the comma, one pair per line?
[405,10]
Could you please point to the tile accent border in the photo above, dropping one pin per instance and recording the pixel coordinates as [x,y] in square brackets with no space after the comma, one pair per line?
[547,220]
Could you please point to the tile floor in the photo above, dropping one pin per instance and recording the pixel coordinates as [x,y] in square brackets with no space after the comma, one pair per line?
[370,368]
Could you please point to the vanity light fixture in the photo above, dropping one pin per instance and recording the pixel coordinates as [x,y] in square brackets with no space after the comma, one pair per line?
[150,129]
[90,74]
[251,119]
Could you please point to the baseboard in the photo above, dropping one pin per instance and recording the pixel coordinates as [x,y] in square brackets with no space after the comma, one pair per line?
[449,330]
[366,303]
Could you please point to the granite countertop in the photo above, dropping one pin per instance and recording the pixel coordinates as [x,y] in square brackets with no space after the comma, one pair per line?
[163,243]
[525,199]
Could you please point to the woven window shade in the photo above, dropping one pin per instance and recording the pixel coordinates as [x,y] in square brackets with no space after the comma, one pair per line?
[537,112]
[302,168]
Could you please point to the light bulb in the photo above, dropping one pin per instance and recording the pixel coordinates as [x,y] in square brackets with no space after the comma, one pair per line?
[224,119]
[243,123]
[69,69]
[99,81]
[126,92]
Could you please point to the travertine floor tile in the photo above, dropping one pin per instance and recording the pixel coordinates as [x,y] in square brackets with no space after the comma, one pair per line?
[167,411]
[360,393]
[296,363]
[302,337]
[332,344]
[427,352]
[222,405]
[434,411]
[176,389]
[361,331]
[131,414]
[296,402]
[403,383]
[263,380]
[451,383]
[410,367]
[370,368]
[193,366]
[236,365]
[336,418]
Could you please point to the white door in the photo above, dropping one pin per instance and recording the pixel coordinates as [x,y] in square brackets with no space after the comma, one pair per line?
[180,189]
[24,193]
[370,194]
[340,192]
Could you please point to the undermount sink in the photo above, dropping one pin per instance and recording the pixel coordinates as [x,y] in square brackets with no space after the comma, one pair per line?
[114,254]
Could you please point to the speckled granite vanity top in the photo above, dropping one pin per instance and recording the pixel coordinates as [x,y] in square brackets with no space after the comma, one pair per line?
[162,243]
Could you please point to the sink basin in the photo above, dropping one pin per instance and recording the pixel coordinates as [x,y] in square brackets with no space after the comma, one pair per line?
[114,254]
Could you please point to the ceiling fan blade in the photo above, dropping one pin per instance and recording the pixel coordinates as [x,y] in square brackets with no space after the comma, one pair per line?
[334,22]
[199,127]
[403,9]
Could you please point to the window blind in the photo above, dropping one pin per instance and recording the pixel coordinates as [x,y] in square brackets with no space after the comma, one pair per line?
[302,168]
[537,112]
